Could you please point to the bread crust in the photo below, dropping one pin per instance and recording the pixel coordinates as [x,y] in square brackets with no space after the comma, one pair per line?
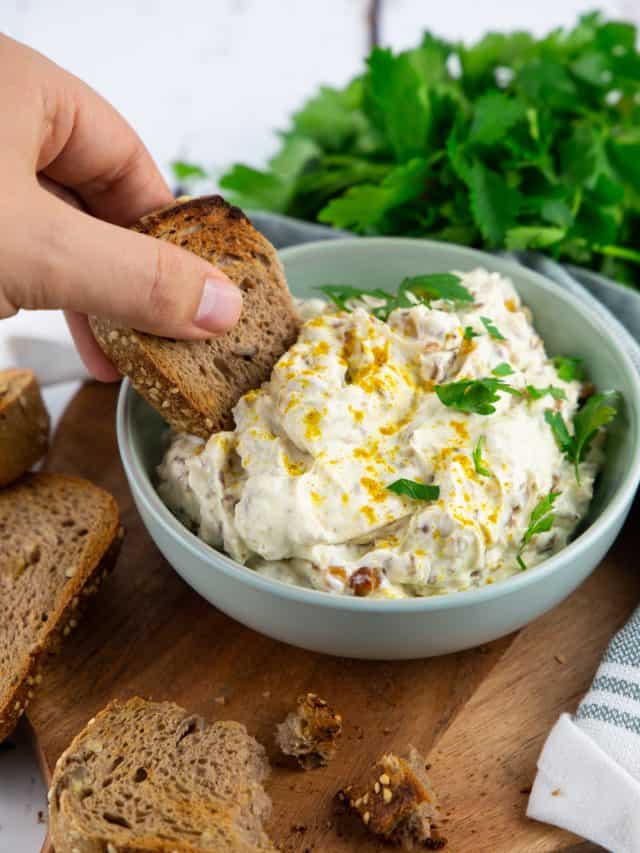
[99,560]
[396,802]
[310,733]
[24,424]
[195,384]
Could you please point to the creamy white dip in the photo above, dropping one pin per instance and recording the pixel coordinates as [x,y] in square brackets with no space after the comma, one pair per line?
[298,491]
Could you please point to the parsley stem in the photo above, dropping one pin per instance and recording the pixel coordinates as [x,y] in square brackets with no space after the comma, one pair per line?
[619,252]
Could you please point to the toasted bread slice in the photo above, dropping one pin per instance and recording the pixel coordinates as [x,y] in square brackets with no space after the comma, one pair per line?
[24,424]
[396,802]
[59,536]
[195,384]
[147,776]
[310,733]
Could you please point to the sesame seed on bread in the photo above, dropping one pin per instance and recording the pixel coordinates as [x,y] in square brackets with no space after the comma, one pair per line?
[24,424]
[59,537]
[148,776]
[195,384]
[396,803]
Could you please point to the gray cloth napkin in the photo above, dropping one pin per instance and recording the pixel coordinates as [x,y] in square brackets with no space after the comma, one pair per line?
[588,778]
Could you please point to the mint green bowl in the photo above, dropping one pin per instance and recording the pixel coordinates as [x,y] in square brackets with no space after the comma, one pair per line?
[419,627]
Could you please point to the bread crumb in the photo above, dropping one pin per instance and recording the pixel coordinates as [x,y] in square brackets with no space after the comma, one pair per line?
[560,658]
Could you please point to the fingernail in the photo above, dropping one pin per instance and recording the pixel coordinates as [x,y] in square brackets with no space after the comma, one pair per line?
[220,306]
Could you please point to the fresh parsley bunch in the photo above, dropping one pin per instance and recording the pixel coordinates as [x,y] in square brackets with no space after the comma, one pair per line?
[513,142]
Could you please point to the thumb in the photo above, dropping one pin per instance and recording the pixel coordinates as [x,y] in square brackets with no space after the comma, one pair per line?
[67,259]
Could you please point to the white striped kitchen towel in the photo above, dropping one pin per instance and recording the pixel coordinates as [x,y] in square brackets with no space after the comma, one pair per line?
[588,777]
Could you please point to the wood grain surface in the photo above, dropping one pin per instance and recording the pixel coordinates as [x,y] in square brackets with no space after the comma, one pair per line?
[480,716]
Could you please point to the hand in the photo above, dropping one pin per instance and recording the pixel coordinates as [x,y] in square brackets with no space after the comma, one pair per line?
[56,133]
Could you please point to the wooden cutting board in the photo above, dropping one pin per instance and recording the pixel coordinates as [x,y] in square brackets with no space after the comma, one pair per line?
[480,716]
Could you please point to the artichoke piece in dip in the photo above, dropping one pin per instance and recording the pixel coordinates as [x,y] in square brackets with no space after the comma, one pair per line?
[405,445]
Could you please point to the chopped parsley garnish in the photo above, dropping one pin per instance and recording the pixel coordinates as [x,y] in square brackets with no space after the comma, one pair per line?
[439,285]
[569,368]
[597,412]
[478,463]
[540,521]
[539,393]
[474,395]
[419,289]
[469,333]
[493,331]
[340,294]
[503,369]
[417,491]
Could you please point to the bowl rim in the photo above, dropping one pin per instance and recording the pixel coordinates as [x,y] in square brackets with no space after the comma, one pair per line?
[144,491]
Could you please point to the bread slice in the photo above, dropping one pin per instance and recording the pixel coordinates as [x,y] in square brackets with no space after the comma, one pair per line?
[195,384]
[24,424]
[148,776]
[310,733]
[59,536]
[396,802]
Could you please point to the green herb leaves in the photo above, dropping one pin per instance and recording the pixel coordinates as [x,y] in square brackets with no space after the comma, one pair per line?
[540,521]
[598,411]
[417,491]
[478,464]
[503,369]
[492,330]
[569,369]
[475,396]
[412,291]
[534,144]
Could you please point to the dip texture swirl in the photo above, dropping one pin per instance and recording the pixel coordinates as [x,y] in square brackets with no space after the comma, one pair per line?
[299,490]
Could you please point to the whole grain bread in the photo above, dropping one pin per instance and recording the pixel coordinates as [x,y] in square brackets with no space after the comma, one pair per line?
[396,802]
[148,776]
[195,384]
[310,733]
[59,536]
[24,424]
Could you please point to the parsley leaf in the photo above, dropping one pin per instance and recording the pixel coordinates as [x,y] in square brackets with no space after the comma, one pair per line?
[478,463]
[412,489]
[469,333]
[569,369]
[183,171]
[443,285]
[491,329]
[494,204]
[475,396]
[598,411]
[540,521]
[503,369]
[539,393]
[423,288]
[340,294]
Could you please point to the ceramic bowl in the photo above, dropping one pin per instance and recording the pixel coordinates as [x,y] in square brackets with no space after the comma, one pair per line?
[418,627]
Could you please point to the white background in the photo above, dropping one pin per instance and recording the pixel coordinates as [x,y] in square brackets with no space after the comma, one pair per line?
[210,80]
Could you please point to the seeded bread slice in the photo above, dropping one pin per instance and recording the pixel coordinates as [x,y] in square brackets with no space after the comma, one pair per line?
[148,776]
[24,424]
[59,536]
[310,733]
[396,802]
[195,384]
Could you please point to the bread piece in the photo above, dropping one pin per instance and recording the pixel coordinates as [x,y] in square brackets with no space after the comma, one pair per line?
[24,424]
[195,384]
[310,733]
[148,776]
[396,802]
[59,536]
